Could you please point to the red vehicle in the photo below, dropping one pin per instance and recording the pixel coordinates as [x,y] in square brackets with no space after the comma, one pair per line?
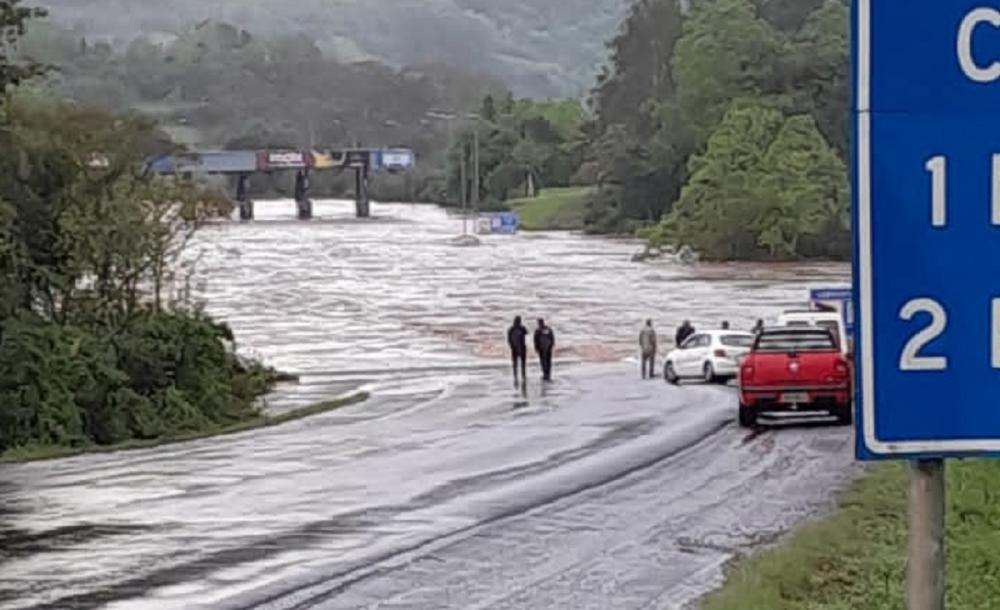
[796,370]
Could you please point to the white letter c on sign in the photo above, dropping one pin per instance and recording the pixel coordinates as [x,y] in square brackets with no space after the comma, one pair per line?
[973,70]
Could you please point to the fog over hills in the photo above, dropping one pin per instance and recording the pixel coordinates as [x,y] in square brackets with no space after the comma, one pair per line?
[541,48]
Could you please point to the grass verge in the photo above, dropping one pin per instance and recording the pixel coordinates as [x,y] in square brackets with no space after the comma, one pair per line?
[556,209]
[44,452]
[856,558]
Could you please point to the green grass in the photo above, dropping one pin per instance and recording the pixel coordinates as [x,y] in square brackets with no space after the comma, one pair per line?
[556,209]
[856,558]
[45,452]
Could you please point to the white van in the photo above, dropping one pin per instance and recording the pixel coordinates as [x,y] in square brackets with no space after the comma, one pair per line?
[827,319]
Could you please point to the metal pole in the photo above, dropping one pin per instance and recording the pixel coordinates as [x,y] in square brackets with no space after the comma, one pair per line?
[925,569]
[475,176]
[462,179]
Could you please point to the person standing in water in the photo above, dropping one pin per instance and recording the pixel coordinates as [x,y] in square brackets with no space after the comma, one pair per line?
[647,347]
[545,344]
[517,340]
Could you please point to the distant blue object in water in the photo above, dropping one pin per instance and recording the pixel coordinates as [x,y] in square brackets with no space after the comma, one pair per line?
[506,223]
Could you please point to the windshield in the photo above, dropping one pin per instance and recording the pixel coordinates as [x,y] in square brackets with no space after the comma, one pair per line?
[796,341]
[736,340]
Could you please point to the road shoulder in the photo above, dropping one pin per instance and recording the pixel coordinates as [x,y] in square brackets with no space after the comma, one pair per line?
[856,557]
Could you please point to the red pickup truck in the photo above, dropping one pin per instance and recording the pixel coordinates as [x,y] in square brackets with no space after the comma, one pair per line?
[795,370]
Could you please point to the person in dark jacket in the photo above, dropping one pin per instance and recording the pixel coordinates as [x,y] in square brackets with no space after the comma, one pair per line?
[684,331]
[517,340]
[545,344]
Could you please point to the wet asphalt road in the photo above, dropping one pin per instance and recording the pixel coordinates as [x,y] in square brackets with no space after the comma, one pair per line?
[600,491]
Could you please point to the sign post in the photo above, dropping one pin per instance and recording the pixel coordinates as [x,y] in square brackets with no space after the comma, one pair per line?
[926,188]
[925,568]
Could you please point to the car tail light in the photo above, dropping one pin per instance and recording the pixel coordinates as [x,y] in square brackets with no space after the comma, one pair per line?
[747,371]
[841,369]
[720,353]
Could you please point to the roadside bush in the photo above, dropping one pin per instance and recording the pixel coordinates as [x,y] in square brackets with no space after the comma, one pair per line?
[165,374]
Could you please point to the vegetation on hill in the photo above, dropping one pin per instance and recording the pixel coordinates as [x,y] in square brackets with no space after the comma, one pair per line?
[216,86]
[541,48]
[96,344]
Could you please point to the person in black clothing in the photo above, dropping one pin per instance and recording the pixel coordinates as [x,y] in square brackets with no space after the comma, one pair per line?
[545,344]
[684,331]
[517,340]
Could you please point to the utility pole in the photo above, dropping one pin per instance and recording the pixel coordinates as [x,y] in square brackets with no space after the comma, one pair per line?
[463,181]
[925,569]
[475,175]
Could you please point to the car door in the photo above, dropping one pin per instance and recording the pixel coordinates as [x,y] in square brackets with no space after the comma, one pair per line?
[693,355]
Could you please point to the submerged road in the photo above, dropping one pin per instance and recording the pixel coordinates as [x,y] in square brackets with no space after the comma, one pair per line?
[599,491]
[448,489]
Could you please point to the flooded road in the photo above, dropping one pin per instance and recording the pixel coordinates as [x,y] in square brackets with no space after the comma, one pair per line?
[448,488]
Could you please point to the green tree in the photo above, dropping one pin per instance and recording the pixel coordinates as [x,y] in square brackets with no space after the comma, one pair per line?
[639,67]
[14,68]
[803,195]
[718,207]
[726,52]
[819,67]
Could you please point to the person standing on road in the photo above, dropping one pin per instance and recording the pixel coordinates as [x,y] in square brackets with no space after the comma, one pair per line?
[545,344]
[647,346]
[517,340]
[758,327]
[684,331]
[725,325]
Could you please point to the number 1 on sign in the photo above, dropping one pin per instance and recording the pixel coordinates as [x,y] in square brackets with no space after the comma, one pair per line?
[938,168]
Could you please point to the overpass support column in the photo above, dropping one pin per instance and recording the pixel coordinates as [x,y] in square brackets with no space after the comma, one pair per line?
[302,201]
[361,202]
[243,198]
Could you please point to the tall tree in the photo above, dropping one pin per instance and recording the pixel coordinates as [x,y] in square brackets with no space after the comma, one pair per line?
[726,52]
[803,194]
[819,69]
[639,67]
[13,22]
[717,209]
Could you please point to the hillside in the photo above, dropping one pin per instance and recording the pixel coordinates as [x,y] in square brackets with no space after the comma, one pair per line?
[541,48]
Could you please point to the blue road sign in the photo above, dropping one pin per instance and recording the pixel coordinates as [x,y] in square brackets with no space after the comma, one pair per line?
[926,177]
[844,297]
[506,223]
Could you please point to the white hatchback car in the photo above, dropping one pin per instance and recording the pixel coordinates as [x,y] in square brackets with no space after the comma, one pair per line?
[712,356]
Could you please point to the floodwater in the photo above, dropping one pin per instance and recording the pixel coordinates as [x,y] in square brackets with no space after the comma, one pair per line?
[449,488]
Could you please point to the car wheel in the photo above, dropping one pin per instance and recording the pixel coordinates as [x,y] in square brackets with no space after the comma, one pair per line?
[669,374]
[748,417]
[844,414]
[709,373]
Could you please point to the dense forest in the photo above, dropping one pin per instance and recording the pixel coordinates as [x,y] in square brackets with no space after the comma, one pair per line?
[98,343]
[727,127]
[524,146]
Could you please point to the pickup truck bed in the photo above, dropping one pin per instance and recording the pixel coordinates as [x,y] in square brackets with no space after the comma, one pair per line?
[795,370]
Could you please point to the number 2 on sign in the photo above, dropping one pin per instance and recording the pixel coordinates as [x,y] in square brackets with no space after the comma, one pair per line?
[938,168]
[911,360]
